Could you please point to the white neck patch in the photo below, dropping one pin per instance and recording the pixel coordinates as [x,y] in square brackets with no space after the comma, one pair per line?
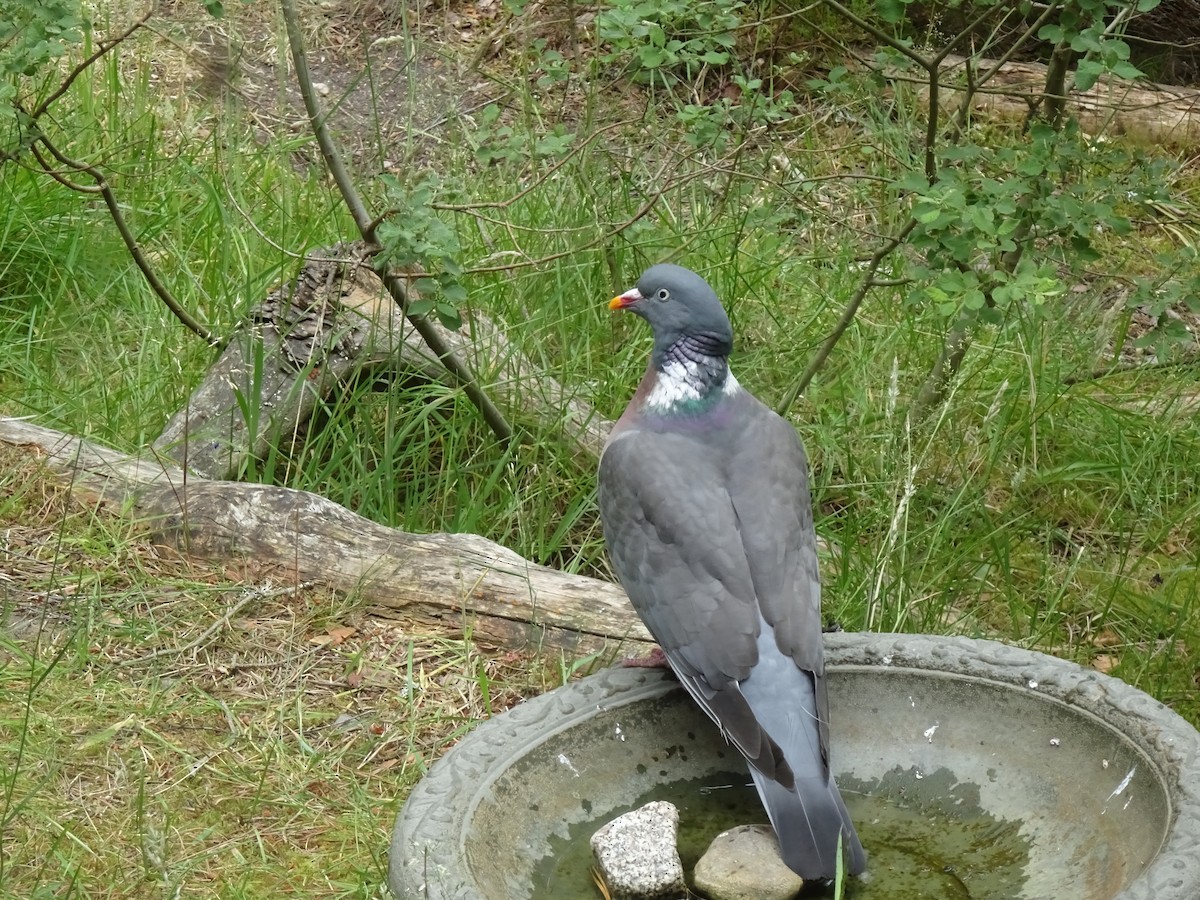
[683,382]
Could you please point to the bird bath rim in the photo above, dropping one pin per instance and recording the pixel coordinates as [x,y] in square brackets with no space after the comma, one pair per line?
[428,854]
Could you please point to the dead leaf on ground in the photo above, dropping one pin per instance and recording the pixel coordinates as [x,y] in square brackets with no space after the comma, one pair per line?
[334,637]
[1106,637]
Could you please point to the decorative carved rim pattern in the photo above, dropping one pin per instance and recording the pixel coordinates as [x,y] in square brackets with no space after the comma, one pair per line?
[426,852]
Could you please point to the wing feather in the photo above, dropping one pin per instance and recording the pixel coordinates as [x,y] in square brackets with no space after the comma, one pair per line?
[673,538]
[768,487]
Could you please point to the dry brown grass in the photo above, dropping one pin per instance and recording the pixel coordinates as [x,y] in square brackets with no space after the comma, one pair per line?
[157,745]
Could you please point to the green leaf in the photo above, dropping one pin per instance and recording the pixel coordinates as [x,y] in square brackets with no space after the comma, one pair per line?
[982,219]
[454,292]
[891,11]
[1127,70]
[33,33]
[1115,49]
[652,57]
[1052,34]
[926,213]
[961,153]
[422,307]
[1042,133]
[1119,224]
[1083,249]
[449,316]
[913,183]
[991,316]
[1087,74]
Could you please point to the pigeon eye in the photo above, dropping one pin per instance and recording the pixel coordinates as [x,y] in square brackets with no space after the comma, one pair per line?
[663,294]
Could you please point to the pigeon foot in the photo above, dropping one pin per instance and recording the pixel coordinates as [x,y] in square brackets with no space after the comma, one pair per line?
[655,659]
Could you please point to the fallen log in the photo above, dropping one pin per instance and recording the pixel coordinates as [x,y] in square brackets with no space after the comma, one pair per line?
[1147,113]
[462,581]
[332,326]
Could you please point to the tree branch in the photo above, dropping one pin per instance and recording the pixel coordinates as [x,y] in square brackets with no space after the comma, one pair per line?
[366,225]
[540,180]
[864,285]
[958,340]
[879,34]
[101,185]
[102,48]
[1016,46]
[114,210]
[1055,96]
[639,214]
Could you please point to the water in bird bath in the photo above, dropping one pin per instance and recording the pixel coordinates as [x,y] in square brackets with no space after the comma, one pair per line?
[932,843]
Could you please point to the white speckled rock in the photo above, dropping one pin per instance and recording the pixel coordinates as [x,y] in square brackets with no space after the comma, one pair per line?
[744,864]
[637,856]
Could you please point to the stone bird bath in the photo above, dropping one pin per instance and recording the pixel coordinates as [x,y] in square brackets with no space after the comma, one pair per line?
[1092,787]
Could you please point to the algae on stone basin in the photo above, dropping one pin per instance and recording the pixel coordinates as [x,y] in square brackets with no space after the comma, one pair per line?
[954,754]
[923,847]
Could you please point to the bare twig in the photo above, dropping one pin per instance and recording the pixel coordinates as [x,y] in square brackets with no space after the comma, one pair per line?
[263,593]
[329,151]
[1016,45]
[101,185]
[1124,368]
[949,361]
[101,48]
[473,208]
[932,67]
[933,70]
[366,225]
[864,285]
[114,210]
[639,214]
[879,34]
[540,180]
[958,341]
[929,64]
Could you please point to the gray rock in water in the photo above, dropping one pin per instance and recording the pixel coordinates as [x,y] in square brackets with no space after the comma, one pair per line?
[744,864]
[637,856]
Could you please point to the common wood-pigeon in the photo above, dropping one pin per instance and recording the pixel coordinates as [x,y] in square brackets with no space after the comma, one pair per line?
[704,500]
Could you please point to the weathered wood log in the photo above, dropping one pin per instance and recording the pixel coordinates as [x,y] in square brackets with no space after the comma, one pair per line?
[1146,112]
[301,341]
[462,581]
[335,324]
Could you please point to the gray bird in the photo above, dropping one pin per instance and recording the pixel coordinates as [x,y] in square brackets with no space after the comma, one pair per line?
[704,501]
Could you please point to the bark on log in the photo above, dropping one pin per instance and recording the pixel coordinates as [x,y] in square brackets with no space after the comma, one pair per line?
[333,325]
[458,580]
[1146,112]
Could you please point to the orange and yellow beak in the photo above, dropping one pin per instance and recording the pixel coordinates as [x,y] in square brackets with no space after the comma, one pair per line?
[621,301]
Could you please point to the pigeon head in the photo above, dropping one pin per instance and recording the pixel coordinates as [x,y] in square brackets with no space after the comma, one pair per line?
[683,311]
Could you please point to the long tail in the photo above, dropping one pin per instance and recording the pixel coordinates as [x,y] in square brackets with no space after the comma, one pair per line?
[808,819]
[807,822]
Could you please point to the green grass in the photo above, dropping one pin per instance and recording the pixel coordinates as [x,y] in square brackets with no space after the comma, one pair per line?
[273,755]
